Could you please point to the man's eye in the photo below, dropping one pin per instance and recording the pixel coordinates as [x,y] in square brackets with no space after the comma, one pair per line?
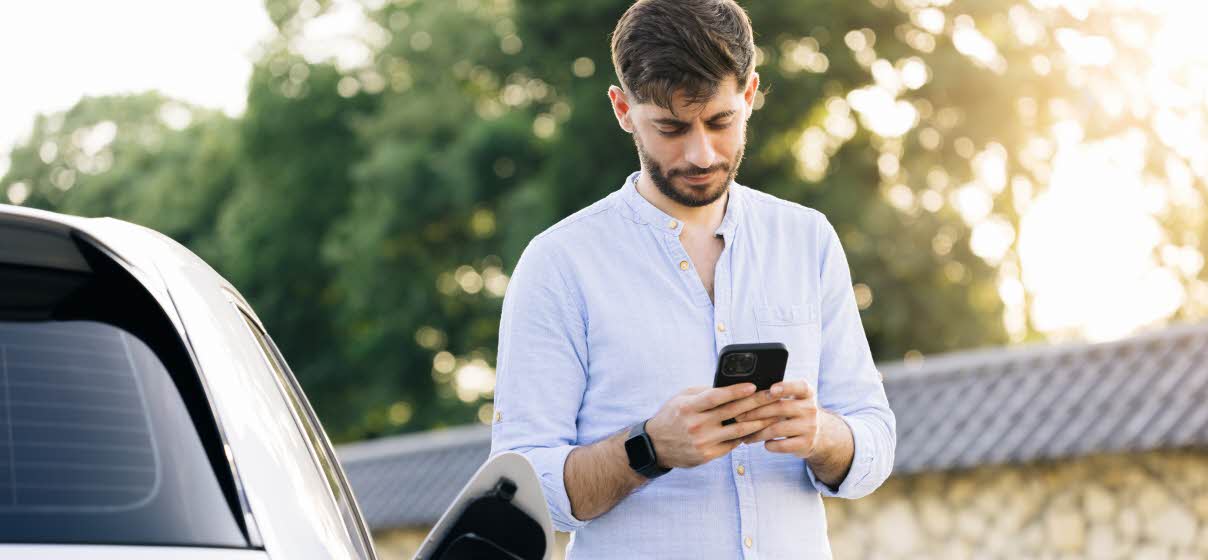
[681,130]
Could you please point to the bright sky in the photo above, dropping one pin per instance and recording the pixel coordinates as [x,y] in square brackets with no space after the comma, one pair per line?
[53,52]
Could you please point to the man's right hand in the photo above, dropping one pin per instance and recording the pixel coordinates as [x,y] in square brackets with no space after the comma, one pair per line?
[687,430]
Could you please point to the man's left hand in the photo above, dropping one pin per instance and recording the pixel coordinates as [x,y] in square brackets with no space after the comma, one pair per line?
[799,424]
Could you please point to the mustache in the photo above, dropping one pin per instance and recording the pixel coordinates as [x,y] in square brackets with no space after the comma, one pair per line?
[698,170]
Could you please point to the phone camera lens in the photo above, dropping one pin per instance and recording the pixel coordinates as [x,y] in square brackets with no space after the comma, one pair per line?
[739,363]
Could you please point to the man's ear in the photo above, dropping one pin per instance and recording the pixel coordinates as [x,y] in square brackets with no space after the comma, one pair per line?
[620,108]
[749,94]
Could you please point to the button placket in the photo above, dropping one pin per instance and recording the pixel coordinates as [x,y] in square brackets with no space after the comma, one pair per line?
[740,460]
[679,256]
[721,297]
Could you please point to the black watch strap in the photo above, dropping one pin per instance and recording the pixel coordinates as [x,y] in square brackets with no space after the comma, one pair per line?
[639,437]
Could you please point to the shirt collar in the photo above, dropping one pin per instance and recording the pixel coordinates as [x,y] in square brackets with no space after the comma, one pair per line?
[647,213]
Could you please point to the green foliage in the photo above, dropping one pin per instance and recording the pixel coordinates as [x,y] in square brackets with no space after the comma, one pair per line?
[298,144]
[372,214]
[119,156]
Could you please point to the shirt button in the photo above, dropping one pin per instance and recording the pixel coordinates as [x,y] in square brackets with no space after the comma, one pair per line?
[672,224]
[683,265]
[747,541]
[721,327]
[499,417]
[741,470]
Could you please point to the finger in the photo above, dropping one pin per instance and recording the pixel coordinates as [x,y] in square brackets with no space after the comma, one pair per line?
[799,445]
[780,408]
[796,388]
[694,390]
[779,429]
[733,409]
[714,398]
[721,449]
[739,430]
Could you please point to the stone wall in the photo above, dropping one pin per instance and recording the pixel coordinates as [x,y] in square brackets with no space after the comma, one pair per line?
[1143,507]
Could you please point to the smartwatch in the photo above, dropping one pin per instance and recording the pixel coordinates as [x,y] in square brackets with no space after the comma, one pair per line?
[640,449]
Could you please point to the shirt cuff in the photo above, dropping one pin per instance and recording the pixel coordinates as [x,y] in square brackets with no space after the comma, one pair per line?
[550,464]
[863,459]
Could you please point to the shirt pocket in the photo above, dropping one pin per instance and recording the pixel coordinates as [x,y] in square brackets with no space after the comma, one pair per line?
[799,329]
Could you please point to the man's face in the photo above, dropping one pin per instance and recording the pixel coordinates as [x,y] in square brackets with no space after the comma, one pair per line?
[693,154]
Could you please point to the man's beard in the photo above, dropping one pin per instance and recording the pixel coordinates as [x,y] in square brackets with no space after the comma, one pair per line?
[690,195]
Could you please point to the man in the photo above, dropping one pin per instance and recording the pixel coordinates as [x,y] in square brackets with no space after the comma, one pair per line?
[614,317]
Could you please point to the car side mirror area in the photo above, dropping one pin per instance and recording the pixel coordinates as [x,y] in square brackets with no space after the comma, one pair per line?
[499,514]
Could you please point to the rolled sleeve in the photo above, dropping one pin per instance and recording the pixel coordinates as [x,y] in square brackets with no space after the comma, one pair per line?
[550,464]
[859,481]
[541,374]
[849,384]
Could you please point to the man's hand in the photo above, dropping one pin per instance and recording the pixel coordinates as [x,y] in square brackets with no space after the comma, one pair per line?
[796,418]
[687,430]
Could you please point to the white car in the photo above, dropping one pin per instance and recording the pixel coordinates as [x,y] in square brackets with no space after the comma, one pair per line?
[146,413]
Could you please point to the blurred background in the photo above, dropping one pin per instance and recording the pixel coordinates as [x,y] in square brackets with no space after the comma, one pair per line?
[1019,182]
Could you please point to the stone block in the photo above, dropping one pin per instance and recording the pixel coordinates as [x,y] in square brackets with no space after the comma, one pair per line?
[1098,503]
[1065,530]
[1101,542]
[935,516]
[1175,526]
[1128,524]
[897,532]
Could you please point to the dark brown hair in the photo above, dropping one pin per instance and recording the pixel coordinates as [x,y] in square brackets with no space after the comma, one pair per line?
[663,46]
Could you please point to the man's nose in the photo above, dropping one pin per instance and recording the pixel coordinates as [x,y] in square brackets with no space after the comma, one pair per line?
[698,150]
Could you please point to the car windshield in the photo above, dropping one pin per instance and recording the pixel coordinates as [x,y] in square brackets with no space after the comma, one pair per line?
[97,445]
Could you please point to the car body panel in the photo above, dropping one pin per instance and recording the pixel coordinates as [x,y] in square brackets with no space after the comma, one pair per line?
[288,506]
[295,498]
[122,552]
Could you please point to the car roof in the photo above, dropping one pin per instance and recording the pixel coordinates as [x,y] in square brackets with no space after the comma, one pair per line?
[138,247]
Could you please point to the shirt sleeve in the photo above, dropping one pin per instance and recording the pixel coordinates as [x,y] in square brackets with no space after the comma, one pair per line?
[541,374]
[848,381]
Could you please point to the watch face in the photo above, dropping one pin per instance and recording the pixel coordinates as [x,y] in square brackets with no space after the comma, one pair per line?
[640,454]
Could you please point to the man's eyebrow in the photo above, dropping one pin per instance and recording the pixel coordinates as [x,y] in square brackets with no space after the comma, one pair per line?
[676,122]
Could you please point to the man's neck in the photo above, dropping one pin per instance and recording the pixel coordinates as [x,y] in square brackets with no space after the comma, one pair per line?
[708,217]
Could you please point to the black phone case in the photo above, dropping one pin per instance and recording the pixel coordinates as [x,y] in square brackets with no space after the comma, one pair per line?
[770,359]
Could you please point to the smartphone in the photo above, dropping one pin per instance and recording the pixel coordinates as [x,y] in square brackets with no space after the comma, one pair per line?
[759,363]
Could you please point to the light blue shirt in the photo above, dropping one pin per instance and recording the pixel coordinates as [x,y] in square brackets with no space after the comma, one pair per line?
[606,318]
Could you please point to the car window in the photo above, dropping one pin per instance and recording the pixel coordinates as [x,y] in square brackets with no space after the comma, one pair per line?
[97,444]
[320,448]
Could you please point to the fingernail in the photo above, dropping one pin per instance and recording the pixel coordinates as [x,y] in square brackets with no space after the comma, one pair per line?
[776,390]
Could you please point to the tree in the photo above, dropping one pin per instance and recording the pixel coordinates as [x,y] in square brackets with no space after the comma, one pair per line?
[146,158]
[371,211]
